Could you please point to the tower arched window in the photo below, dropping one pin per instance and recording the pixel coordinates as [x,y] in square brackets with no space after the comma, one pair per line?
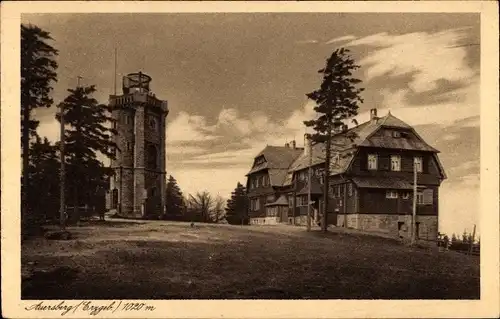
[152,122]
[152,153]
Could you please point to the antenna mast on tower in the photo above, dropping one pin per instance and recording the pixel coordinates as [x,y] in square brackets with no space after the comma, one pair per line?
[114,75]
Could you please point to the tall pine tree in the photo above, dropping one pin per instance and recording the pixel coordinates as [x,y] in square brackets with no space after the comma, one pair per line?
[237,207]
[174,199]
[336,101]
[89,134]
[38,71]
[44,175]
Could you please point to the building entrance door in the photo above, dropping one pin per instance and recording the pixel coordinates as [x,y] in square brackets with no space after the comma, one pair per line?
[283,214]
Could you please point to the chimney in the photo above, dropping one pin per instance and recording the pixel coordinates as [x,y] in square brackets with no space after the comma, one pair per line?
[307,144]
[373,115]
[287,145]
[294,144]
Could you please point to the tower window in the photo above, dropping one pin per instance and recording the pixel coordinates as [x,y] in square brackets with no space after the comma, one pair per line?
[152,122]
[152,157]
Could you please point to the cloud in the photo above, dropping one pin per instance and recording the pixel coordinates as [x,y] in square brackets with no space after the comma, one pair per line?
[173,148]
[50,128]
[341,39]
[307,41]
[428,56]
[466,112]
[186,127]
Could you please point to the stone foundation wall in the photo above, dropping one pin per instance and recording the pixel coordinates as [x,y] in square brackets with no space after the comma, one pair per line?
[264,221]
[396,225]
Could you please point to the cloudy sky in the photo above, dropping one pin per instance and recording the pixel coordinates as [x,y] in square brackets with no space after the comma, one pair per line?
[236,82]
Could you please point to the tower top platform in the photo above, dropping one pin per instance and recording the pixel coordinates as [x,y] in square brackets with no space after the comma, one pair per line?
[136,91]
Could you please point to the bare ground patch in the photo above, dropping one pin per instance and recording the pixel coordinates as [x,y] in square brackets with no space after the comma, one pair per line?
[158,260]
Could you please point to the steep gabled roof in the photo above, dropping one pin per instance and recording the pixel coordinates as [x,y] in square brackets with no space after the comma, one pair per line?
[391,121]
[280,156]
[363,135]
[277,161]
[282,201]
[316,187]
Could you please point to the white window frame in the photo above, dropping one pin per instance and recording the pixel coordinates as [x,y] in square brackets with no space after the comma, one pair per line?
[349,189]
[336,158]
[391,194]
[418,162]
[420,198]
[396,159]
[372,162]
[406,195]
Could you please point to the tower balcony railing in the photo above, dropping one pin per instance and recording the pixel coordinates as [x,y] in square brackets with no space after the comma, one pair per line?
[139,97]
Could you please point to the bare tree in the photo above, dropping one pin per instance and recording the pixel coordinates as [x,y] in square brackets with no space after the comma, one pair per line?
[218,212]
[201,205]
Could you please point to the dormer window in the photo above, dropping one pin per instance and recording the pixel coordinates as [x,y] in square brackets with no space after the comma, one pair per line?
[336,159]
[396,134]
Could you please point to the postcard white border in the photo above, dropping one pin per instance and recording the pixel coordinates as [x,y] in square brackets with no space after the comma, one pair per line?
[488,306]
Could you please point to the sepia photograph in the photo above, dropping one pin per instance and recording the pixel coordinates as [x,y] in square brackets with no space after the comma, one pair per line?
[267,155]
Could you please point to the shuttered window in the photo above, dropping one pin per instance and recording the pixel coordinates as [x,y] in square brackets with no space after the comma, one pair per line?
[428,196]
[425,197]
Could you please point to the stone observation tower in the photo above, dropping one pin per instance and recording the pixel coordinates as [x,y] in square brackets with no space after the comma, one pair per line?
[137,189]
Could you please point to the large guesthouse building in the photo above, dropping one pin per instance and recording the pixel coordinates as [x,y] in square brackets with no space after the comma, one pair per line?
[371,180]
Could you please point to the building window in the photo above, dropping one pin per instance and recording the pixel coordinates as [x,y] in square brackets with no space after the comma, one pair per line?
[114,125]
[302,200]
[254,204]
[391,194]
[337,191]
[290,201]
[406,195]
[396,134]
[425,197]
[126,119]
[417,162]
[336,159]
[129,146]
[395,163]
[349,189]
[420,198]
[372,161]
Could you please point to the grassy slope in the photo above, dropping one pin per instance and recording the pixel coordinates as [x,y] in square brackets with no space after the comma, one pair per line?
[159,260]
